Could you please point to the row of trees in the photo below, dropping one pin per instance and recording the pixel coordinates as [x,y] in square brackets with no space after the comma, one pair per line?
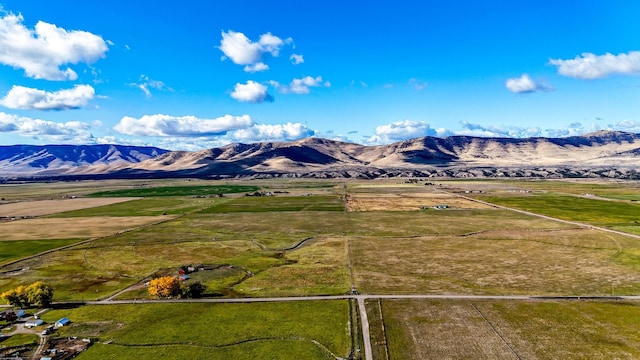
[170,286]
[38,294]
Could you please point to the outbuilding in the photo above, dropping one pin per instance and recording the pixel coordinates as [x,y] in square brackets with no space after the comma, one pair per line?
[62,322]
[33,323]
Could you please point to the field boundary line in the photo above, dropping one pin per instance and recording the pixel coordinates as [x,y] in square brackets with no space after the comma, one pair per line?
[582,225]
[384,331]
[497,332]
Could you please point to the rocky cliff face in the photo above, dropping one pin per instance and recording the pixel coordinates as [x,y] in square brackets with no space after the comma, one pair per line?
[601,154]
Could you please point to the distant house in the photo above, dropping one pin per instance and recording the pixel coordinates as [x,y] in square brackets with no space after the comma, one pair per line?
[12,314]
[62,322]
[33,323]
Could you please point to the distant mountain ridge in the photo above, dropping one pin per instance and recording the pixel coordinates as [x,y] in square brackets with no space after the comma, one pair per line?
[58,159]
[600,154]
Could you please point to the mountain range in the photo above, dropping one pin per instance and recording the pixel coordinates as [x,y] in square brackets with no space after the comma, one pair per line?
[600,154]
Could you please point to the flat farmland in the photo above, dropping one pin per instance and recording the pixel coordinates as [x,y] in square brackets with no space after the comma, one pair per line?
[322,238]
[16,249]
[282,330]
[46,207]
[464,329]
[408,202]
[78,228]
[544,261]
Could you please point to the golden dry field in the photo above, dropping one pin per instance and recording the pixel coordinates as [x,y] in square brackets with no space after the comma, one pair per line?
[47,207]
[478,329]
[408,202]
[73,228]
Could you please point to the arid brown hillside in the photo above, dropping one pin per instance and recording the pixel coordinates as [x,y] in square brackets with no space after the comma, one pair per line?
[601,154]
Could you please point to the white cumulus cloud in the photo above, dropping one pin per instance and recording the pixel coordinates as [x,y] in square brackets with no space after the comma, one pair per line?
[257,67]
[300,86]
[167,125]
[279,132]
[524,84]
[72,131]
[20,97]
[42,52]
[242,51]
[296,59]
[590,66]
[251,92]
[403,130]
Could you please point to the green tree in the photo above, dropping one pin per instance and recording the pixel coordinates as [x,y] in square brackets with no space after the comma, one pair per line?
[40,294]
[164,287]
[193,290]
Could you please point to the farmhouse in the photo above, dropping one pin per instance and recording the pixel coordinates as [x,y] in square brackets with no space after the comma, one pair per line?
[62,322]
[12,314]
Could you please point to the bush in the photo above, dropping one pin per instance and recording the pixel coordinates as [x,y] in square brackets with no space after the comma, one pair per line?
[193,290]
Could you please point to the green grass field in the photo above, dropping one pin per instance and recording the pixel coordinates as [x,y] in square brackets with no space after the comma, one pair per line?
[197,190]
[286,330]
[573,208]
[13,250]
[259,204]
[19,340]
[145,207]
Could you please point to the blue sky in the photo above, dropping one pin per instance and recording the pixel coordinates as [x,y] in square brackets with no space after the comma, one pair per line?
[198,74]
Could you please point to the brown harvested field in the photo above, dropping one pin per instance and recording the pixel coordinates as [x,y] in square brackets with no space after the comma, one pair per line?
[442,330]
[47,207]
[466,329]
[408,202]
[73,228]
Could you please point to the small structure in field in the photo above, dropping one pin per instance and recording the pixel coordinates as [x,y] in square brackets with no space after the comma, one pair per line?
[33,323]
[62,322]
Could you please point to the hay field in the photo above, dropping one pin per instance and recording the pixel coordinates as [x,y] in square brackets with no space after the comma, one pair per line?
[464,329]
[72,228]
[407,202]
[47,207]
[517,260]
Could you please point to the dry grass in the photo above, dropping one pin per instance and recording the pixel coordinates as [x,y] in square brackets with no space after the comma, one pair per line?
[518,261]
[47,207]
[72,228]
[441,330]
[465,329]
[407,202]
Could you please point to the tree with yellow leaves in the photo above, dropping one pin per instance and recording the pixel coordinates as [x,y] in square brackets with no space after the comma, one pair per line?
[38,294]
[164,287]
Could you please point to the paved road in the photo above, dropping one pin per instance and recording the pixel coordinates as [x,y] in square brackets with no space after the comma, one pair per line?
[368,354]
[367,297]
